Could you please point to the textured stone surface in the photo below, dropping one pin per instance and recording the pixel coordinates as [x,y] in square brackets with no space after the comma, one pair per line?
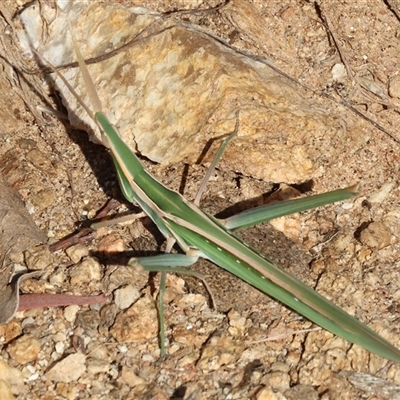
[12,378]
[173,93]
[5,391]
[69,369]
[25,349]
[135,323]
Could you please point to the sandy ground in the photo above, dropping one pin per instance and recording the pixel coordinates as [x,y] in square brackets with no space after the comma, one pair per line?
[249,347]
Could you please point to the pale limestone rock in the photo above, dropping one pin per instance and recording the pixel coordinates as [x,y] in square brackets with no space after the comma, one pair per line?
[381,194]
[376,235]
[176,89]
[127,376]
[137,322]
[279,381]
[329,356]
[126,296]
[5,391]
[69,369]
[220,351]
[43,199]
[24,349]
[96,366]
[373,385]
[111,244]
[237,323]
[269,394]
[77,252]
[12,377]
[38,258]
[339,72]
[89,270]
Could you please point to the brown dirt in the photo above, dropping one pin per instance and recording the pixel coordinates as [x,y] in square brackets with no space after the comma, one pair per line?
[220,354]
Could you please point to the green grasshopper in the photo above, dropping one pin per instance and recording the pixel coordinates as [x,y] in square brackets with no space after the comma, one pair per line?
[199,234]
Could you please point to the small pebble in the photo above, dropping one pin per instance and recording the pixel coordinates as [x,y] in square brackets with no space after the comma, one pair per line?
[68,369]
[381,194]
[24,349]
[43,199]
[27,321]
[96,366]
[236,320]
[338,72]
[376,235]
[279,381]
[219,351]
[58,277]
[70,313]
[137,322]
[60,347]
[302,392]
[40,161]
[269,394]
[287,13]
[111,244]
[38,258]
[30,372]
[126,296]
[128,377]
[77,252]
[10,331]
[87,271]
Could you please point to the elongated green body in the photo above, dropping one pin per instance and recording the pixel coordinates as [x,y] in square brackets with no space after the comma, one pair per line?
[172,213]
[200,235]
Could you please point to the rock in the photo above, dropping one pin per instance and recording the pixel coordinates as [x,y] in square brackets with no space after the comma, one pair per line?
[137,322]
[126,296]
[219,351]
[237,323]
[301,392]
[38,258]
[331,358]
[43,198]
[339,72]
[269,394]
[148,88]
[373,385]
[128,377]
[77,252]
[70,312]
[88,271]
[12,377]
[10,331]
[41,161]
[107,318]
[70,369]
[380,195]
[279,381]
[376,235]
[96,366]
[5,391]
[89,321]
[111,244]
[24,349]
